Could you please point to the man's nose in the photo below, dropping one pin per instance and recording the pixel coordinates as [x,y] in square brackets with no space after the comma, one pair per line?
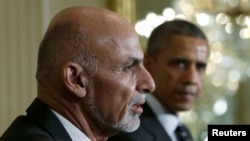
[146,83]
[191,75]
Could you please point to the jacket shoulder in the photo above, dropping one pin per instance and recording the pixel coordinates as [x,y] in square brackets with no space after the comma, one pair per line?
[25,128]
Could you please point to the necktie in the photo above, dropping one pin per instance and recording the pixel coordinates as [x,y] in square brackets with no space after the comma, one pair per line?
[182,134]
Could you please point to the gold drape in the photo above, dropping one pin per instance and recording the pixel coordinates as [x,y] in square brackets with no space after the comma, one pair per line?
[126,8]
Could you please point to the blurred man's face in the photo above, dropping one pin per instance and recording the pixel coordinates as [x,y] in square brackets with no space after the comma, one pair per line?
[179,71]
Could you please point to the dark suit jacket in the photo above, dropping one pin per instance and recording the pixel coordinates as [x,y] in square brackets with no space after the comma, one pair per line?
[150,129]
[40,124]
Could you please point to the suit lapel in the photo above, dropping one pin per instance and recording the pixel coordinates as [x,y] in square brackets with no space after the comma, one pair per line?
[152,125]
[45,117]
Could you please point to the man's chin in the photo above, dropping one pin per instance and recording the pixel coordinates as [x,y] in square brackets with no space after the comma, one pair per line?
[128,125]
[133,129]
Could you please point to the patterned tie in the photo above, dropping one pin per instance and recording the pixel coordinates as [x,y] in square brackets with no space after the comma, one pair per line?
[182,134]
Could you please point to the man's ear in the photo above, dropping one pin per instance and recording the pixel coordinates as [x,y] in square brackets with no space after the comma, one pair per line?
[74,78]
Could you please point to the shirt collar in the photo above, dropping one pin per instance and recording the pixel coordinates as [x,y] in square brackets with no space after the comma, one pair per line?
[74,133]
[167,120]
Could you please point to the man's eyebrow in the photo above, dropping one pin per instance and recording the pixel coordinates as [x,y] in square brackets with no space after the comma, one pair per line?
[180,60]
[133,60]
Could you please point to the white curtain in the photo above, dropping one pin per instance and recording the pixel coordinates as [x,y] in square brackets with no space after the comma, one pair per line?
[20,32]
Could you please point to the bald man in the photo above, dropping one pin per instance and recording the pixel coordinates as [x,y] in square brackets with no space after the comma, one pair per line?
[91,80]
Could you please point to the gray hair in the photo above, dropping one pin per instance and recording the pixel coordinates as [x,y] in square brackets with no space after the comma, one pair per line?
[65,42]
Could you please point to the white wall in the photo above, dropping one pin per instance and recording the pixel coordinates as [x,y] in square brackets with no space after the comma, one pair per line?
[22,25]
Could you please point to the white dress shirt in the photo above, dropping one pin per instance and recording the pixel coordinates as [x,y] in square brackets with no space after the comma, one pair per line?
[167,120]
[74,133]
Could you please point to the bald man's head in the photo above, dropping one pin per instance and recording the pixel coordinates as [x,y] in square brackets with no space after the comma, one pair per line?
[72,34]
[96,21]
[87,57]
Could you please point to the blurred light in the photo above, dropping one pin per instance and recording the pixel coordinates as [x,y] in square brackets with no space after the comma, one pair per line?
[248,21]
[232,85]
[245,33]
[168,14]
[234,75]
[210,68]
[143,28]
[187,8]
[215,35]
[229,28]
[182,5]
[226,62]
[180,16]
[207,116]
[241,20]
[206,139]
[150,16]
[217,46]
[220,107]
[204,19]
[217,81]
[216,57]
[222,18]
[154,20]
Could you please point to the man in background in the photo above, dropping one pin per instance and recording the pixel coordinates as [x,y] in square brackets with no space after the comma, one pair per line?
[176,57]
[91,80]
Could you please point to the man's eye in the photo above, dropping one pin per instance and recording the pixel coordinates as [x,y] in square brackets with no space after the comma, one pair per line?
[129,67]
[180,64]
[201,66]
